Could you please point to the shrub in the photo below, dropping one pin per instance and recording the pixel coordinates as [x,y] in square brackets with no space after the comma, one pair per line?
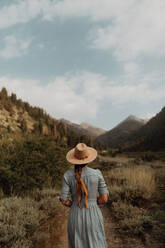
[30,163]
[131,191]
[136,225]
[19,220]
[132,220]
[122,210]
[47,201]
[38,195]
[148,156]
[133,184]
[49,206]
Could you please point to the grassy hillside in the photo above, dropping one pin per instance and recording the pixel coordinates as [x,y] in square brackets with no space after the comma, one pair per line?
[19,117]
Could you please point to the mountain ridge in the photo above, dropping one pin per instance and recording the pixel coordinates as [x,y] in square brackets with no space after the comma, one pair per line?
[150,136]
[118,135]
[84,127]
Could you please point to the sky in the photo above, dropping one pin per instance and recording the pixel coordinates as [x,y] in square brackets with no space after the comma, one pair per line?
[86,61]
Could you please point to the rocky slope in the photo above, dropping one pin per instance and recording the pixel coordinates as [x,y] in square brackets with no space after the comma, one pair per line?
[19,117]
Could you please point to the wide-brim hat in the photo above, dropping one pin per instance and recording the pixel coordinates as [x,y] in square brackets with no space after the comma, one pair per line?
[81,154]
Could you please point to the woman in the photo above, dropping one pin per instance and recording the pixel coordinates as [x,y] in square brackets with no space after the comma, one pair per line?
[85,220]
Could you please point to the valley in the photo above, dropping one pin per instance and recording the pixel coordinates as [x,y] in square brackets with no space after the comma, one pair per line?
[33,145]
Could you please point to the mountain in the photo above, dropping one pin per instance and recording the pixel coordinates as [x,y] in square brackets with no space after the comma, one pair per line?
[151,136]
[83,128]
[118,135]
[93,130]
[18,117]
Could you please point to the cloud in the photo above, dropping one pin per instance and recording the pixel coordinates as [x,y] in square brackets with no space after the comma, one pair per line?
[80,97]
[14,47]
[40,46]
[61,97]
[24,11]
[138,31]
[21,11]
[133,28]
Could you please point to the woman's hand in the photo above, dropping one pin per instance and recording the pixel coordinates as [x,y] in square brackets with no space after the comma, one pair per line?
[66,203]
[102,199]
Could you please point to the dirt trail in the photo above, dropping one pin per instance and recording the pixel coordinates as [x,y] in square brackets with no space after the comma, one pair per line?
[55,230]
[58,237]
[113,238]
[62,240]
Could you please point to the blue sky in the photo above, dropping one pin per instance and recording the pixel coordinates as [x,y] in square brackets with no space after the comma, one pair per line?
[91,60]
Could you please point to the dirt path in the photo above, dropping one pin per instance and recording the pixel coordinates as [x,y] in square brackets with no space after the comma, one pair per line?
[61,241]
[58,238]
[113,238]
[55,230]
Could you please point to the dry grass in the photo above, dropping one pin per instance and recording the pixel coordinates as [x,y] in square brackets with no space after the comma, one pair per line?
[133,183]
[131,191]
[21,218]
[137,201]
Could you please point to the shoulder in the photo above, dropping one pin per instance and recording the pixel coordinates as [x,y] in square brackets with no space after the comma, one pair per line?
[92,171]
[99,173]
[69,173]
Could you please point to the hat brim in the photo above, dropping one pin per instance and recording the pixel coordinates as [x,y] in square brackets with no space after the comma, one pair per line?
[73,160]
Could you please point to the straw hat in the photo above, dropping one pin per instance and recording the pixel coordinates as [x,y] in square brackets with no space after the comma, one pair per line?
[81,154]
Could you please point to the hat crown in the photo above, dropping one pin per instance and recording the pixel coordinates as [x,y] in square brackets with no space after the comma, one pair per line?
[81,151]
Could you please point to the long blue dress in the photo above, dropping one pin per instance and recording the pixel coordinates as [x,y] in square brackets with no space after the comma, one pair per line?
[85,226]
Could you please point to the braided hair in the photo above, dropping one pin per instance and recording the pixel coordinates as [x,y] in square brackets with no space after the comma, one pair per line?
[80,185]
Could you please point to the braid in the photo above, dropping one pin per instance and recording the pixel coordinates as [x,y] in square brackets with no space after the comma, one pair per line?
[80,186]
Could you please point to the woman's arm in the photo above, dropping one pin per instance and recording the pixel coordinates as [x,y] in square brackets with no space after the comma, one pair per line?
[102,199]
[65,192]
[66,203]
[102,189]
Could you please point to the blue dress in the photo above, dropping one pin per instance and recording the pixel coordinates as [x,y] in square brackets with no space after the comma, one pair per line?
[85,226]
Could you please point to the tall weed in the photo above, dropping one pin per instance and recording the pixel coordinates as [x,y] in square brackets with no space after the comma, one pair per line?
[135,184]
[131,190]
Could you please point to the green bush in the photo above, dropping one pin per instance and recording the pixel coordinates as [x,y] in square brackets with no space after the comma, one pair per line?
[30,163]
[132,220]
[136,225]
[122,210]
[159,216]
[148,156]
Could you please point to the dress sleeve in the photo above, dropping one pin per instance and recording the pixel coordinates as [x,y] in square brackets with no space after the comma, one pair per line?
[102,187]
[65,191]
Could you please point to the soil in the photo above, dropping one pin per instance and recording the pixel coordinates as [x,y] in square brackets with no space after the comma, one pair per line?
[57,228]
